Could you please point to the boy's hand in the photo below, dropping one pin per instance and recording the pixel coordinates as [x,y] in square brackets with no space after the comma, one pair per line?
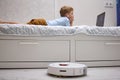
[71,18]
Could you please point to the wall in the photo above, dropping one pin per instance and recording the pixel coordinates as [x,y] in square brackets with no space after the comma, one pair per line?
[85,11]
[24,10]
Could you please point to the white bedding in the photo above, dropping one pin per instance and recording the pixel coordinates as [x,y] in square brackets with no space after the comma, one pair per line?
[35,30]
[38,30]
[98,31]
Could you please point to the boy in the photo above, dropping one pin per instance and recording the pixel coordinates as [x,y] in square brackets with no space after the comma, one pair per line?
[67,18]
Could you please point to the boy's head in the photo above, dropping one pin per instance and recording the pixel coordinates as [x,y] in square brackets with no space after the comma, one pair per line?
[65,10]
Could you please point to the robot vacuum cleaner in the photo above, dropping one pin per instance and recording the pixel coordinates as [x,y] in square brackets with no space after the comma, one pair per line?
[67,69]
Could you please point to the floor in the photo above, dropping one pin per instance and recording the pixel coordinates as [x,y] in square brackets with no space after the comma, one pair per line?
[103,73]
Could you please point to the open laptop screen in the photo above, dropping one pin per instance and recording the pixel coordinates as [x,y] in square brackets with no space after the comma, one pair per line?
[100,19]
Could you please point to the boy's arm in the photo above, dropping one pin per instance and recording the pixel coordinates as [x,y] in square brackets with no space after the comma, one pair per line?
[71,20]
[71,23]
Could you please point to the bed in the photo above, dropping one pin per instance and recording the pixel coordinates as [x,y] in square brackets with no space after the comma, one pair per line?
[31,46]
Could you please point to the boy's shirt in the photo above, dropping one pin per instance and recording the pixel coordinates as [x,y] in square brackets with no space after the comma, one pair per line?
[63,21]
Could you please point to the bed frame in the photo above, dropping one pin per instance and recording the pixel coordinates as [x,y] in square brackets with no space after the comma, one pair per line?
[38,52]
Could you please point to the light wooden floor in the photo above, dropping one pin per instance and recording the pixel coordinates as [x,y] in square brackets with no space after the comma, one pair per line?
[103,73]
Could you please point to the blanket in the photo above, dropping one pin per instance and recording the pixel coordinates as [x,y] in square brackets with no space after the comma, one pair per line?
[39,30]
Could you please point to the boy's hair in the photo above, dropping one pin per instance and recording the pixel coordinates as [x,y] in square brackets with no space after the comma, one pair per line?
[64,10]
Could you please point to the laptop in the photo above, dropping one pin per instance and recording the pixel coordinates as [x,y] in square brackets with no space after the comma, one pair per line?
[100,19]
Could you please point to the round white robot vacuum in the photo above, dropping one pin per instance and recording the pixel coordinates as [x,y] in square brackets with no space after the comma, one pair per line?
[67,69]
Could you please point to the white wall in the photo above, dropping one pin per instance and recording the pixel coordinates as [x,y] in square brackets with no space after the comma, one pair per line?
[85,11]
[24,10]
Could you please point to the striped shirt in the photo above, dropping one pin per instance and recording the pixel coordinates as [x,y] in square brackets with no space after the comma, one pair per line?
[63,21]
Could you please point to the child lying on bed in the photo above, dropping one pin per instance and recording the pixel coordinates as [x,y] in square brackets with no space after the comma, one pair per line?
[66,19]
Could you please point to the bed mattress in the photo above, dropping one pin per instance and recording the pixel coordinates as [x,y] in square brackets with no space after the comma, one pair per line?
[38,30]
